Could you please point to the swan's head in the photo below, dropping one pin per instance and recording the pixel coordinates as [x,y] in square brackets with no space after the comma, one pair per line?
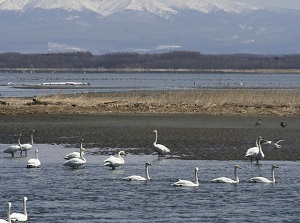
[196,169]
[25,199]
[148,164]
[274,166]
[154,131]
[36,150]
[9,204]
[122,153]
[260,138]
[237,167]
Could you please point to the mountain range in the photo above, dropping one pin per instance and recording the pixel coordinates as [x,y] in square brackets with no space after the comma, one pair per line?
[146,26]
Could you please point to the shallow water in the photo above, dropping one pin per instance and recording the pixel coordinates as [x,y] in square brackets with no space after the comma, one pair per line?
[95,193]
[29,84]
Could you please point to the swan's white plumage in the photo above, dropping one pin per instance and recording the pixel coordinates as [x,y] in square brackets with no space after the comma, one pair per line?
[114,162]
[20,216]
[34,163]
[8,215]
[263,179]
[76,162]
[228,180]
[187,183]
[27,146]
[161,149]
[14,148]
[256,152]
[73,155]
[140,178]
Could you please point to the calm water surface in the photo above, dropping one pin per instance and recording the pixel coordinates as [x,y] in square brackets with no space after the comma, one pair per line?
[95,193]
[29,84]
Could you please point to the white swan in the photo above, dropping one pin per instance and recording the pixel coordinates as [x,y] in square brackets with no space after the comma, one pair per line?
[228,180]
[27,146]
[161,149]
[140,178]
[34,163]
[263,179]
[275,144]
[256,152]
[73,155]
[8,215]
[20,216]
[114,162]
[187,183]
[14,148]
[76,162]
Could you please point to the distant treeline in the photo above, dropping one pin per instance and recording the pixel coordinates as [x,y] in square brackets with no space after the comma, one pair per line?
[172,60]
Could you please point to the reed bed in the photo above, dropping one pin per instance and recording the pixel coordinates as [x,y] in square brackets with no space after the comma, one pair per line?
[217,102]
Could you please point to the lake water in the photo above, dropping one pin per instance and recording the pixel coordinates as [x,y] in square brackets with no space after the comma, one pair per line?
[95,193]
[30,84]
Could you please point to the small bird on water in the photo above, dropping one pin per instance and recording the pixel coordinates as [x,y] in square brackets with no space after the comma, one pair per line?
[258,122]
[283,124]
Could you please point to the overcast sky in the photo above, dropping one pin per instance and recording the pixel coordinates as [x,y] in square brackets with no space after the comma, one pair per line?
[291,4]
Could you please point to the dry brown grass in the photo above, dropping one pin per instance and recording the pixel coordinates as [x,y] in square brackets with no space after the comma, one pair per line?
[217,102]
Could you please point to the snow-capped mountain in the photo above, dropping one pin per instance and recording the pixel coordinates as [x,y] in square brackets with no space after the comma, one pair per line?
[109,7]
[100,26]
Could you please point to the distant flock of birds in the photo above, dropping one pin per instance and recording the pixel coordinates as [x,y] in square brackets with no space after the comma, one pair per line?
[76,159]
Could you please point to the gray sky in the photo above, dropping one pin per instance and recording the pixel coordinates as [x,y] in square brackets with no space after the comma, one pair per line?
[291,4]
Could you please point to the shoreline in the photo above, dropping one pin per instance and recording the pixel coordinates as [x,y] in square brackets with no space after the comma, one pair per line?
[188,136]
[144,70]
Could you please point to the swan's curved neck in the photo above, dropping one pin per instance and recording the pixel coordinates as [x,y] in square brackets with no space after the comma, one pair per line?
[273,175]
[19,140]
[8,214]
[236,176]
[147,173]
[81,151]
[259,146]
[25,209]
[196,177]
[155,138]
[119,154]
[31,138]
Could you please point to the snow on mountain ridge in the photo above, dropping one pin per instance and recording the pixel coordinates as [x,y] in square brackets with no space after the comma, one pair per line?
[105,8]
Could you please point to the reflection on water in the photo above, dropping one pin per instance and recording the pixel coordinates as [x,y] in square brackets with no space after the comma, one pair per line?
[31,84]
[96,193]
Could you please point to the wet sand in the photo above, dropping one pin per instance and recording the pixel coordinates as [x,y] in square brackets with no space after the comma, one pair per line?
[188,136]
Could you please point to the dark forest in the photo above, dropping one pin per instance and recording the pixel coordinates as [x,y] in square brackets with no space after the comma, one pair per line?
[172,60]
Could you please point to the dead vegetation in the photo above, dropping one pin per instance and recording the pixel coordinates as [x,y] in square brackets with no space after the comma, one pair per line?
[215,102]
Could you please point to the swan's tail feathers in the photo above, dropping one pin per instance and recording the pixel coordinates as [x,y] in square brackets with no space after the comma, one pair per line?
[107,164]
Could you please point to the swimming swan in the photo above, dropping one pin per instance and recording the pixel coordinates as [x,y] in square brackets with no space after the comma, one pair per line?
[34,163]
[19,216]
[76,162]
[140,178]
[256,152]
[275,144]
[8,215]
[228,180]
[27,146]
[114,162]
[263,179]
[161,149]
[186,183]
[14,148]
